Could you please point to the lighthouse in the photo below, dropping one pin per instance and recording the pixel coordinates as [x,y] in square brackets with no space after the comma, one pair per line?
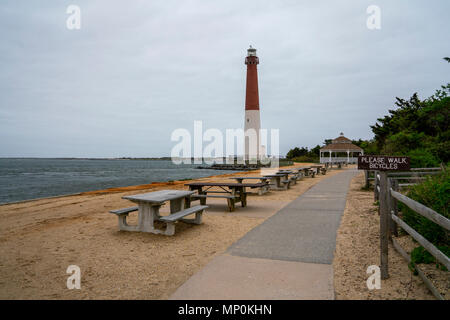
[252,119]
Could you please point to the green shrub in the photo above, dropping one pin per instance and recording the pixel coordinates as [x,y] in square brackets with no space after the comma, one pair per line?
[404,141]
[421,158]
[434,193]
[421,255]
[305,159]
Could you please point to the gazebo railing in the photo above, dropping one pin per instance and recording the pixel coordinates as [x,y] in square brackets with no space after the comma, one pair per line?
[326,159]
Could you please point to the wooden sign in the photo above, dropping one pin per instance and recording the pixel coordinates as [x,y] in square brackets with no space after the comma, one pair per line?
[383,163]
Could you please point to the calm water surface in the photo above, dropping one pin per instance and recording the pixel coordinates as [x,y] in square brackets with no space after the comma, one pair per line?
[23,179]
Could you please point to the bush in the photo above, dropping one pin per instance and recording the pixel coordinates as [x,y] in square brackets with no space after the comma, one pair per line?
[421,158]
[305,159]
[421,255]
[404,141]
[435,194]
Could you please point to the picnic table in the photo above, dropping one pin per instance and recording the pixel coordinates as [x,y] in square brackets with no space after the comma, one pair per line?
[339,163]
[262,190]
[233,192]
[319,169]
[296,169]
[148,205]
[296,174]
[277,183]
[308,171]
[300,172]
[290,170]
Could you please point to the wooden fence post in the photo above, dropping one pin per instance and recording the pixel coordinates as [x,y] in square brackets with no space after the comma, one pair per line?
[393,207]
[389,205]
[384,224]
[375,186]
[366,177]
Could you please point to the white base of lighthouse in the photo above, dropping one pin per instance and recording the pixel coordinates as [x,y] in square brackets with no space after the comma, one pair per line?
[252,139]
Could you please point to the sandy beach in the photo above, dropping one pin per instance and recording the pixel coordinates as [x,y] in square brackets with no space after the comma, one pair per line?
[40,239]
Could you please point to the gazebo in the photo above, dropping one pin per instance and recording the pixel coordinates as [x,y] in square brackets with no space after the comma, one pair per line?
[340,150]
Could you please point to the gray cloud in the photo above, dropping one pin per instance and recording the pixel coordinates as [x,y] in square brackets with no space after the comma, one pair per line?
[138,70]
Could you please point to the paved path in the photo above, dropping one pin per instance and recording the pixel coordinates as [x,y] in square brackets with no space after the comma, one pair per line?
[288,256]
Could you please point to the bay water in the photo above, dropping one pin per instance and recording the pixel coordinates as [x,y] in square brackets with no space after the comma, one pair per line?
[26,178]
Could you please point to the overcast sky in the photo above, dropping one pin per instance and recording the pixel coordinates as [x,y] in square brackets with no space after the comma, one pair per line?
[137,70]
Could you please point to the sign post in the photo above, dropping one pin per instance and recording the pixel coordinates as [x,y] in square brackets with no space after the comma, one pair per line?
[384,226]
[383,164]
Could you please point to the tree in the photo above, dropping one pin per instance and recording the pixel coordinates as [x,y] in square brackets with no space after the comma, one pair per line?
[369,146]
[315,152]
[303,152]
[418,128]
[296,152]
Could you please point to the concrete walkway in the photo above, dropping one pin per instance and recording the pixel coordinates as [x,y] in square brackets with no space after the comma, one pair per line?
[288,256]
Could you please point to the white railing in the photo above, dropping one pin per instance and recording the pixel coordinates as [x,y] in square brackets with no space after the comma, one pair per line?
[339,159]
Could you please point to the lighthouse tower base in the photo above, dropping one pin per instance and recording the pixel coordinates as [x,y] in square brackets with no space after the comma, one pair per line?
[252,139]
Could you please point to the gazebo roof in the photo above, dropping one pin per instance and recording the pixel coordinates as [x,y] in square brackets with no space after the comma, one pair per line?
[341,143]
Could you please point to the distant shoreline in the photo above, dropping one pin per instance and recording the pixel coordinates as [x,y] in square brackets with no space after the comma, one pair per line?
[75,158]
[120,158]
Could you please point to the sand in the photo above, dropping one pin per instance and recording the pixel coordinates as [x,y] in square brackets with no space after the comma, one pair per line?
[40,239]
[358,247]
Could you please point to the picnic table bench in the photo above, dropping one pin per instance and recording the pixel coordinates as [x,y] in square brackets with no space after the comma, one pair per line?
[148,210]
[261,190]
[233,192]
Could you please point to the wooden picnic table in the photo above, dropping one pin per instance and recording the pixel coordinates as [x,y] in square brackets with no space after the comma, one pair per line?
[317,169]
[148,205]
[338,162]
[233,192]
[276,180]
[285,171]
[291,169]
[296,173]
[240,179]
[262,190]
[320,169]
[306,170]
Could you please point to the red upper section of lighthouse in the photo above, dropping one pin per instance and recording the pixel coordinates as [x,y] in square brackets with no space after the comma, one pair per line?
[251,95]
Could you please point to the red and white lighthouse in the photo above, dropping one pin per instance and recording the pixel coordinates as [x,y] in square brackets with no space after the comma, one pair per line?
[252,118]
